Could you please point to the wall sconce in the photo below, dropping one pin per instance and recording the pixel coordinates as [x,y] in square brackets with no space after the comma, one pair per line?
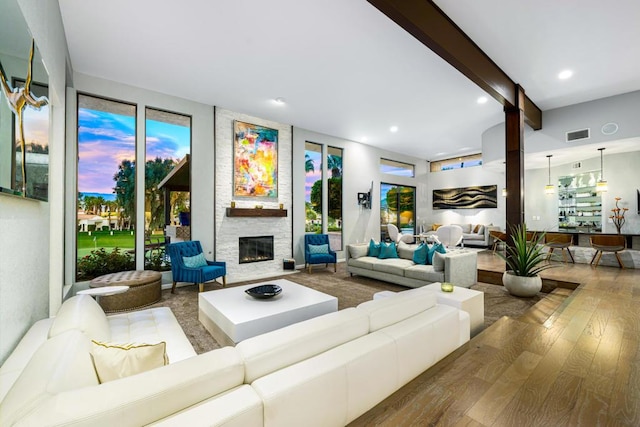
[549,189]
[601,185]
[364,200]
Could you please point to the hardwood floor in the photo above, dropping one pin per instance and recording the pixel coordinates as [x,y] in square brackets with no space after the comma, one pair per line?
[572,360]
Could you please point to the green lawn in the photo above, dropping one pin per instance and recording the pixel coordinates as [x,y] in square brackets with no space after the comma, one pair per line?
[123,240]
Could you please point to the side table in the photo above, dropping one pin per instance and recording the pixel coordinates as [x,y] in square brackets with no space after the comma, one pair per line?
[465,299]
[103,291]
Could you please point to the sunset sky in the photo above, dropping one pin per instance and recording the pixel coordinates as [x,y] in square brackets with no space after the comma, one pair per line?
[312,177]
[105,139]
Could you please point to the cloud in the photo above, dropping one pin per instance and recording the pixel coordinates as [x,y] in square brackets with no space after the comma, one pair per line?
[106,139]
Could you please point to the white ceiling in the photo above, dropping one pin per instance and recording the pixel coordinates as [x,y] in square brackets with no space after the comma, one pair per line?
[344,69]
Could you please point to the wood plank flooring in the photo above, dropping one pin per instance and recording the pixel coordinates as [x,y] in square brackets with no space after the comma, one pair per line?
[571,360]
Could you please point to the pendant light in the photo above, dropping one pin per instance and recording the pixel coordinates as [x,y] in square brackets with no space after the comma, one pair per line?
[601,185]
[549,189]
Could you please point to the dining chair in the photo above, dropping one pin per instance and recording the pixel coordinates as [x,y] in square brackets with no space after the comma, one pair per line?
[560,241]
[498,237]
[607,243]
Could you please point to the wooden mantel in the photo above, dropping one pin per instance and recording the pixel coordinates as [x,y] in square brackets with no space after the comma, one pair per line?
[252,212]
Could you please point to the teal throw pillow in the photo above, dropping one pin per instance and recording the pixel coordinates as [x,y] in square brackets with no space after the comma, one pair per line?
[420,254]
[374,249]
[388,250]
[438,247]
[319,249]
[195,261]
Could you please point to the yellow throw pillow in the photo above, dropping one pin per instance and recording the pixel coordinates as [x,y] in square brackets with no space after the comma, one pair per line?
[476,229]
[113,361]
[434,227]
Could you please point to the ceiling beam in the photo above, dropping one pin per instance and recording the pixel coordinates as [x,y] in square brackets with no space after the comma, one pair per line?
[424,20]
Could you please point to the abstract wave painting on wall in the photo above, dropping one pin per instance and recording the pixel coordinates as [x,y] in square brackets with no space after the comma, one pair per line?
[484,196]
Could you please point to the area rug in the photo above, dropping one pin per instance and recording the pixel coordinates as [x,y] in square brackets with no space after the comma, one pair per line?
[350,291]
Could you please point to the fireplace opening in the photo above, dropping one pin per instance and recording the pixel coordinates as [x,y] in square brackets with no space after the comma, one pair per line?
[255,249]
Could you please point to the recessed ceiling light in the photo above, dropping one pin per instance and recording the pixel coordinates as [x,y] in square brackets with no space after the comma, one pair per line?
[279,101]
[363,139]
[565,74]
[482,100]
[393,129]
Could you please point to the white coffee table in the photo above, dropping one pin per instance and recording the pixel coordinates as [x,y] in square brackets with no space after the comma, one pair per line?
[465,299]
[230,315]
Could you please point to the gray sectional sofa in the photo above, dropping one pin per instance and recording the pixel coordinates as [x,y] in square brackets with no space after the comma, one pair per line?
[457,266]
[480,237]
[472,237]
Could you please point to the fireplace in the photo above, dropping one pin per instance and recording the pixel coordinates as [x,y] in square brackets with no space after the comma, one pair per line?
[255,249]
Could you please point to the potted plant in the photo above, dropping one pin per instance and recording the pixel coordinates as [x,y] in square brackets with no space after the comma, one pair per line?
[524,261]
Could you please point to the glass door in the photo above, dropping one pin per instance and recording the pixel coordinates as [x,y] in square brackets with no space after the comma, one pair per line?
[397,207]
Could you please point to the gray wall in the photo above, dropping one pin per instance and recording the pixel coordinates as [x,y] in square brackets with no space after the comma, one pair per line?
[464,178]
[622,109]
[361,166]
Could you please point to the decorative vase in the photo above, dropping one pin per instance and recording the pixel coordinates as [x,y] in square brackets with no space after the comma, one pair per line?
[521,286]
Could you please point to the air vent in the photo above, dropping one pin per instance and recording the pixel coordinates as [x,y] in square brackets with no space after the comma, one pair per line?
[576,165]
[578,135]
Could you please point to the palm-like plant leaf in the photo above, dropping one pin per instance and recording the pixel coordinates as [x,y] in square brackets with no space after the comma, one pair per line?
[524,258]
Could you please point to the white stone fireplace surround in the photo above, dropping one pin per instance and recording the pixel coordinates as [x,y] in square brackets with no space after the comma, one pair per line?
[228,230]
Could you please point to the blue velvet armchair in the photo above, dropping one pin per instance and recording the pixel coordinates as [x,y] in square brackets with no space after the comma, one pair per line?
[315,251]
[196,275]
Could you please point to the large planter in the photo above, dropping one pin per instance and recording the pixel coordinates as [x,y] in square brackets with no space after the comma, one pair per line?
[521,286]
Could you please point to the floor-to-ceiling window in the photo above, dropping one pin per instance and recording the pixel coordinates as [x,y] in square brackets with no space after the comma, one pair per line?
[398,207]
[313,187]
[106,208]
[168,145]
[334,223]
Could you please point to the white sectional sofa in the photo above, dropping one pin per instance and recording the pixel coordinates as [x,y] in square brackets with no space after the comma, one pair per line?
[326,371]
[458,266]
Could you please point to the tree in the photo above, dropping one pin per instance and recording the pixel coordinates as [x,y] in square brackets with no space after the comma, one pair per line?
[335,197]
[334,164]
[316,196]
[404,198]
[155,171]
[91,204]
[308,164]
[125,190]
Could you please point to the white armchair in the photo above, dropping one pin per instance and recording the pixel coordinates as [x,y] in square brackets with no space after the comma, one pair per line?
[396,235]
[450,235]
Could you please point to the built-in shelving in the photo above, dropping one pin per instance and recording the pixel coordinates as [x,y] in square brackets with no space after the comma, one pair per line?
[579,205]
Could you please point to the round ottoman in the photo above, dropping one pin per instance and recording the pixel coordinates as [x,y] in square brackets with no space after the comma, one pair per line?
[144,289]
